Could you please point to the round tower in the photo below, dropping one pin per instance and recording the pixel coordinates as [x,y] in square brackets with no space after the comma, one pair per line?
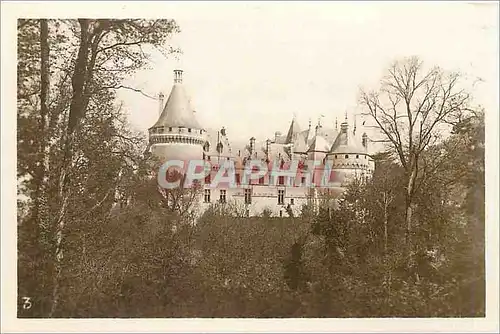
[348,156]
[177,135]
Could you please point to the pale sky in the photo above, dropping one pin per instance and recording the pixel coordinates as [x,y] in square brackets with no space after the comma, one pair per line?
[251,66]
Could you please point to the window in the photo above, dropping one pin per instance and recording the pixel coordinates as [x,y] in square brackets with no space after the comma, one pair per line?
[347,156]
[248,196]
[291,201]
[222,198]
[281,180]
[170,129]
[207,179]
[238,180]
[281,196]
[357,156]
[261,180]
[189,130]
[335,156]
[201,131]
[303,180]
[281,213]
[207,196]
[248,213]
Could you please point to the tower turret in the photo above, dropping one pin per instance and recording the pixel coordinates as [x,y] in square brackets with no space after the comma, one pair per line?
[177,135]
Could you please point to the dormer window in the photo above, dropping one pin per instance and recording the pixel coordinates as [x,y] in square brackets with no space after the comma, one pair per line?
[357,156]
[170,129]
[347,156]
[189,130]
[335,156]
[206,146]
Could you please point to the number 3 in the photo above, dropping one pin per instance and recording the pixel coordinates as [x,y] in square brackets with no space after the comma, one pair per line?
[27,303]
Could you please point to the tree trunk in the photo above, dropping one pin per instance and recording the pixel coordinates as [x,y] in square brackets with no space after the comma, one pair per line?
[76,113]
[408,220]
[387,278]
[44,79]
[39,238]
[385,229]
[409,209]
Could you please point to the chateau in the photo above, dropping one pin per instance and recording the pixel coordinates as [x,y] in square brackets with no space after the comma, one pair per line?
[177,135]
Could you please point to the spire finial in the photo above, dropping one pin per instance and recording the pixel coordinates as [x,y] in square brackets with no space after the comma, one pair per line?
[161,98]
[336,124]
[344,125]
[319,119]
[178,76]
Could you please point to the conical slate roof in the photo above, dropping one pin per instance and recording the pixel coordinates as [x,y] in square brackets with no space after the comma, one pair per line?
[300,144]
[292,132]
[328,134]
[346,142]
[319,144]
[178,111]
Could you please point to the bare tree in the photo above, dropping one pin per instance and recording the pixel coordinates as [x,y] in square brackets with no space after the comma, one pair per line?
[181,202]
[413,109]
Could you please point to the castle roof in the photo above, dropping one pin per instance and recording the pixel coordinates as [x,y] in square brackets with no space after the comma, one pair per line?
[319,144]
[300,144]
[219,144]
[329,134]
[346,142]
[178,111]
[292,132]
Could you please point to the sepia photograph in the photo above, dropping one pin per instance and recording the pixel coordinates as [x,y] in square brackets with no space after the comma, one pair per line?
[274,161]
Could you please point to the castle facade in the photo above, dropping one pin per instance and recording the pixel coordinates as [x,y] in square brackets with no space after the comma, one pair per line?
[177,135]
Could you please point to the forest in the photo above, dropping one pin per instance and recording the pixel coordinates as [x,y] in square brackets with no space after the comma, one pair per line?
[410,242]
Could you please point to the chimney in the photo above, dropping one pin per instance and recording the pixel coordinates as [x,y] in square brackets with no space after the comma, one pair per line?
[252,145]
[365,140]
[277,134]
[178,76]
[343,127]
[161,98]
